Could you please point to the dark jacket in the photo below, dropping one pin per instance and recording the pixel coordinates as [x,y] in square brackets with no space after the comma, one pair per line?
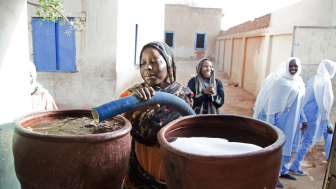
[218,100]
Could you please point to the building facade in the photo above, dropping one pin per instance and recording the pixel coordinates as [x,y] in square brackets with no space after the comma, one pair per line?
[104,59]
[191,31]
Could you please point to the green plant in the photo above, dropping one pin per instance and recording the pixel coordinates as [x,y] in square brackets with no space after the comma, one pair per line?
[48,10]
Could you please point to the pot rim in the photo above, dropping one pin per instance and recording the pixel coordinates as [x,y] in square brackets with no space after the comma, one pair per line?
[269,149]
[19,129]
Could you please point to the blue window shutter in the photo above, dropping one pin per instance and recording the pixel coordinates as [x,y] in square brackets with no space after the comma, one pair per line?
[44,45]
[66,51]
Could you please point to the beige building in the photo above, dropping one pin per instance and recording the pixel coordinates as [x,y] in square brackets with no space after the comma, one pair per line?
[249,52]
[191,31]
[106,53]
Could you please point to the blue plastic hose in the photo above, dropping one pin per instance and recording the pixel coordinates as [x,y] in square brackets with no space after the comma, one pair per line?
[132,102]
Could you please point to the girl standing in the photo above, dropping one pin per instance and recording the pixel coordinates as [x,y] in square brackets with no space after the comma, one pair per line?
[209,91]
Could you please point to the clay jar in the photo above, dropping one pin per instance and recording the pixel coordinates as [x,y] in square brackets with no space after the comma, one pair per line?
[44,161]
[258,169]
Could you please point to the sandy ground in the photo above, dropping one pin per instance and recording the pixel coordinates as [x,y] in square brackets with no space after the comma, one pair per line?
[238,101]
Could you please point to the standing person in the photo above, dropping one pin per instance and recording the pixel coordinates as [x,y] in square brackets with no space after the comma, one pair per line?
[41,99]
[279,102]
[157,68]
[317,104]
[209,91]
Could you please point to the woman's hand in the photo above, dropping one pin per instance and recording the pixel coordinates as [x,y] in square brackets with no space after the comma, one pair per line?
[146,94]
[210,90]
[330,130]
[304,126]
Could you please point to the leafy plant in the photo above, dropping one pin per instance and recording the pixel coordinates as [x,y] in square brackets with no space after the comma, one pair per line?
[48,10]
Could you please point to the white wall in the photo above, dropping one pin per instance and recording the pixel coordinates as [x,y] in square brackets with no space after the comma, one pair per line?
[280,51]
[150,20]
[15,97]
[304,13]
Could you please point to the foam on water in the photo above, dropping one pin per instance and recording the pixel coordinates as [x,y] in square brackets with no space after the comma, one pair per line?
[211,146]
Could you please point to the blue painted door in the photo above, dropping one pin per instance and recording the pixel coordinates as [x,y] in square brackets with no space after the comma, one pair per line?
[66,51]
[44,45]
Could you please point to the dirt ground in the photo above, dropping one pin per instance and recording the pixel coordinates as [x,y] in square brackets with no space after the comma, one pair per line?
[238,101]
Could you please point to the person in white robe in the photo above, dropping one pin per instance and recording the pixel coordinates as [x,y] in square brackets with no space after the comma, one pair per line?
[317,105]
[41,99]
[280,102]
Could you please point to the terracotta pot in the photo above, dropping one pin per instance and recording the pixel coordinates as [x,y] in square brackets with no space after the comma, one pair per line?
[43,161]
[257,170]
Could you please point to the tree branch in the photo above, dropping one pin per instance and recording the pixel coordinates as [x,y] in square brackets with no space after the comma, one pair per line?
[59,12]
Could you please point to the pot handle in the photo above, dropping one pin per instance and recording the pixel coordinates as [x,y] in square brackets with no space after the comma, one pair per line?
[132,102]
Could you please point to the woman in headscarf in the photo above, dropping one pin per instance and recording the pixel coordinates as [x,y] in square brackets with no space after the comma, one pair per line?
[41,99]
[280,102]
[317,105]
[209,91]
[157,68]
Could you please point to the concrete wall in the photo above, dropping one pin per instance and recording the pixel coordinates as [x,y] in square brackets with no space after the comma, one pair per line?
[281,46]
[237,60]
[227,56]
[94,81]
[217,50]
[311,46]
[252,79]
[104,51]
[185,22]
[221,54]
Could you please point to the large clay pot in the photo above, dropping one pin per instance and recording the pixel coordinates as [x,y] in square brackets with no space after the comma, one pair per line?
[43,161]
[257,170]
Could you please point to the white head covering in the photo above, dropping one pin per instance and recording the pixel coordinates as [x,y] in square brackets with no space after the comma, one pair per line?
[322,87]
[34,85]
[279,90]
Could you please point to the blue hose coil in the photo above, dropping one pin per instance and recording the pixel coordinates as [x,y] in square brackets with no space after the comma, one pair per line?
[132,102]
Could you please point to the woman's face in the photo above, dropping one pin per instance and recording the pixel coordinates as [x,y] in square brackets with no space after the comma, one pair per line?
[207,69]
[153,68]
[293,67]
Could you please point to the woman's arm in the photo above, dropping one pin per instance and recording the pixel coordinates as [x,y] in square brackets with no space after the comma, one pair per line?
[219,98]
[198,98]
[302,116]
[146,94]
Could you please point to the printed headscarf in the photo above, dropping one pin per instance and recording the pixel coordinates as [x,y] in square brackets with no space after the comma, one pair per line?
[167,55]
[199,86]
[323,89]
